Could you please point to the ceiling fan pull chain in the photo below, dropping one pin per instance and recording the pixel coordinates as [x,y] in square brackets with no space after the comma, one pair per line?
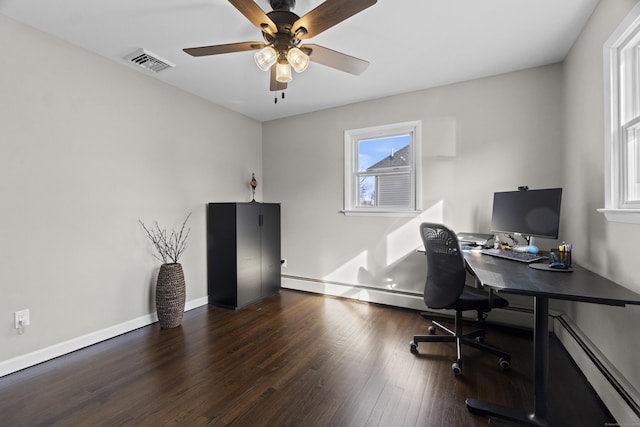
[275,99]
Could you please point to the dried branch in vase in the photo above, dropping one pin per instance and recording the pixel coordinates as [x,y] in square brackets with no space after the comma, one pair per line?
[169,246]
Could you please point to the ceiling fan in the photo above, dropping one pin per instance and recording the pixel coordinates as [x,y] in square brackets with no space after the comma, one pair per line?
[283,31]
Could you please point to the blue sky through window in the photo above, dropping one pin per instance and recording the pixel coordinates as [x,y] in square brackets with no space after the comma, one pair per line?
[371,151]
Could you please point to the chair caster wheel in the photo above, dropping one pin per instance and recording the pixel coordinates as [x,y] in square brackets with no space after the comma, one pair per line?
[457,370]
[413,347]
[432,330]
[504,363]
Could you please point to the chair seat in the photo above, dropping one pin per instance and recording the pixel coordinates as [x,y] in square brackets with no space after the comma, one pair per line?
[477,299]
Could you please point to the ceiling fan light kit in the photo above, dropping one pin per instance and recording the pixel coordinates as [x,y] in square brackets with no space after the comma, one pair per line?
[298,59]
[283,31]
[266,57]
[283,72]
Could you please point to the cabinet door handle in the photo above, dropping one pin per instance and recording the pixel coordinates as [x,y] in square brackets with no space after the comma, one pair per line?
[260,220]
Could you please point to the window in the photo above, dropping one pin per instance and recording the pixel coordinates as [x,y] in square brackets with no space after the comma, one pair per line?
[622,139]
[382,169]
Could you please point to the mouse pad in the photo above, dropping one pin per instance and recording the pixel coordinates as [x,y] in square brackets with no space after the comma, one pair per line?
[545,267]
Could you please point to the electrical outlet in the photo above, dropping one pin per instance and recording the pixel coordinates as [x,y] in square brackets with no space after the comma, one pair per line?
[22,318]
[284,263]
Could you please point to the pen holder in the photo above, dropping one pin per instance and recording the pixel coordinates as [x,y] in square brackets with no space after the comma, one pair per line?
[564,257]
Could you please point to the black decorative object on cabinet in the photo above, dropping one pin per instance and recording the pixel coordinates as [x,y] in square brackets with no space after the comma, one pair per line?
[243,252]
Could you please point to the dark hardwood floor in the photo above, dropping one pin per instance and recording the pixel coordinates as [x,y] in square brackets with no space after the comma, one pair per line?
[294,359]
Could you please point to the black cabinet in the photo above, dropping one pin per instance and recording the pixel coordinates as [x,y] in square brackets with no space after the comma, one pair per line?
[243,252]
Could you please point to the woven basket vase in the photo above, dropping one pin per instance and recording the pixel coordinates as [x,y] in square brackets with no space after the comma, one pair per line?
[170,295]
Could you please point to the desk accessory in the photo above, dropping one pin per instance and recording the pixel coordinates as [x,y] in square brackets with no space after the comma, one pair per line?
[560,257]
[475,239]
[547,267]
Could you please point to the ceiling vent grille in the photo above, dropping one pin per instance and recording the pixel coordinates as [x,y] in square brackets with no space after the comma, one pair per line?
[147,60]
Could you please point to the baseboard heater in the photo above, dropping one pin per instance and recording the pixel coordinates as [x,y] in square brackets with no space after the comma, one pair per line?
[606,380]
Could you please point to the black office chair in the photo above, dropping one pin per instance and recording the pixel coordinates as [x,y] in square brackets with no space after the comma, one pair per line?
[445,289]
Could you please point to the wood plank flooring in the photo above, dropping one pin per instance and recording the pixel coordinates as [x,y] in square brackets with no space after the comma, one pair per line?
[294,359]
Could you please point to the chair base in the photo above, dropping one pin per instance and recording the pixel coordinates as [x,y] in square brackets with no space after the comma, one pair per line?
[473,339]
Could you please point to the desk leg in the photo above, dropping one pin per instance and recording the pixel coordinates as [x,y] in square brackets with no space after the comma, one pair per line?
[540,376]
[540,357]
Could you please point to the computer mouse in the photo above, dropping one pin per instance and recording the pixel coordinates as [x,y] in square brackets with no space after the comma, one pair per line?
[532,249]
[561,265]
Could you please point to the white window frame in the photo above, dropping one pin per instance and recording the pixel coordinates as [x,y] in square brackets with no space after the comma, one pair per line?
[622,120]
[351,139]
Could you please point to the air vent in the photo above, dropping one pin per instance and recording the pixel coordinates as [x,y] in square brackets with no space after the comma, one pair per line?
[147,60]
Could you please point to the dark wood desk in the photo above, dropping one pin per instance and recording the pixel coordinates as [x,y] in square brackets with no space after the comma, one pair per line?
[518,278]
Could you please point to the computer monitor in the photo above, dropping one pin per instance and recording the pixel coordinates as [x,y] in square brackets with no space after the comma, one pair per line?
[532,213]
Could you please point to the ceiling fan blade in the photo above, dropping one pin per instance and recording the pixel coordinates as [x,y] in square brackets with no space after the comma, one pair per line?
[275,85]
[333,59]
[253,13]
[223,48]
[328,14]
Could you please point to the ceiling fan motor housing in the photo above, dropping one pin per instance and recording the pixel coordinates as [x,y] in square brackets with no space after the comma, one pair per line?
[282,4]
[283,39]
[283,19]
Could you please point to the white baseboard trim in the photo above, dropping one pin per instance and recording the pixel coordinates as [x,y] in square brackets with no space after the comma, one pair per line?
[30,359]
[512,316]
[366,294]
[619,396]
[195,303]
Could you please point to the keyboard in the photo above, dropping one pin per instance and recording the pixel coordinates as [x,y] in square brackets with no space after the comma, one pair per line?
[513,255]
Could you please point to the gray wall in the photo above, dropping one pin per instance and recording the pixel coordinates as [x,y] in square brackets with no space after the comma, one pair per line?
[480,136]
[608,248]
[88,147]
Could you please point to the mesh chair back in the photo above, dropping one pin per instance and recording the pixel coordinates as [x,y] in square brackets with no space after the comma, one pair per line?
[446,272]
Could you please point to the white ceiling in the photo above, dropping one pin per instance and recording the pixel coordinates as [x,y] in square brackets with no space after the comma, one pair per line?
[411,44]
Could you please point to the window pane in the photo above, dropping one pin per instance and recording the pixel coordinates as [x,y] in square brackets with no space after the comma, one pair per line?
[394,190]
[627,60]
[632,195]
[384,153]
[366,191]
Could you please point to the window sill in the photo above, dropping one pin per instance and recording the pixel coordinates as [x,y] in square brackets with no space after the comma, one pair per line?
[629,216]
[382,213]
